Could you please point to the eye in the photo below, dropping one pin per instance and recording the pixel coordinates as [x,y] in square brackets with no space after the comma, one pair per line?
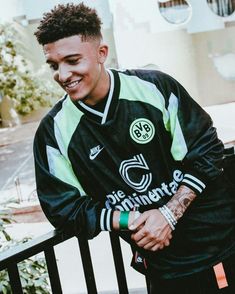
[53,66]
[73,61]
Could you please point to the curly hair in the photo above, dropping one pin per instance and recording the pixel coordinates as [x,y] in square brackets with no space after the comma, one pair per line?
[68,20]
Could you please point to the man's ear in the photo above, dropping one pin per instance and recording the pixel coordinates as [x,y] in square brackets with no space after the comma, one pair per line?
[102,53]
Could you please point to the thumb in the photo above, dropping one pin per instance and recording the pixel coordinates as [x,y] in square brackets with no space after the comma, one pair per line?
[138,222]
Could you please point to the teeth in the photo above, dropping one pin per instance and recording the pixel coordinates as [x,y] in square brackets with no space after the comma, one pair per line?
[71,85]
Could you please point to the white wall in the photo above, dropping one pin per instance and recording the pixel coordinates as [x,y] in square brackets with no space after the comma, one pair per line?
[143,37]
[212,87]
[172,52]
[138,35]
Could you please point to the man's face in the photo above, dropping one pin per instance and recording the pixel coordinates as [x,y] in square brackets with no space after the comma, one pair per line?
[77,66]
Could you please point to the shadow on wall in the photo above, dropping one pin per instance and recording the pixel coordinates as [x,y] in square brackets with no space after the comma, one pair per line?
[225,65]
[150,66]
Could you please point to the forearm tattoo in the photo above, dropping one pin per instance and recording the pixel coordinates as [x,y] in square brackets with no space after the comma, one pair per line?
[180,201]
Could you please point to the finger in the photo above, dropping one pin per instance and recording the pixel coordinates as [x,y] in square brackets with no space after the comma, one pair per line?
[166,243]
[142,242]
[155,247]
[161,246]
[147,242]
[139,235]
[167,232]
[138,222]
[167,239]
[149,245]
[143,232]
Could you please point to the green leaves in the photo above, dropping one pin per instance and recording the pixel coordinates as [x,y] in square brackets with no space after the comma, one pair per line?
[17,81]
[3,233]
[33,276]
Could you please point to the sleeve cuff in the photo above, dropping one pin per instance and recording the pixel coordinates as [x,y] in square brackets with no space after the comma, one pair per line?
[106,219]
[193,183]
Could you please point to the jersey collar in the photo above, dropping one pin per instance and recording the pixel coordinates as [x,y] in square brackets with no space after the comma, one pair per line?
[102,116]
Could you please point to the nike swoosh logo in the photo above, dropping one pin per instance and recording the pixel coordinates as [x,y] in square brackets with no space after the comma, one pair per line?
[93,156]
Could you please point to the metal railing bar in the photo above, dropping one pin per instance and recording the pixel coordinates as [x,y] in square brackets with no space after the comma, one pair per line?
[14,277]
[53,271]
[118,262]
[30,248]
[46,243]
[87,266]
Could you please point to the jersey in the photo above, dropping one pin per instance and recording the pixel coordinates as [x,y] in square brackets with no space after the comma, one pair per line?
[143,141]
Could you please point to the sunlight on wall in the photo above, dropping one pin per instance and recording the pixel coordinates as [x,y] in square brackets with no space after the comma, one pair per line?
[10,8]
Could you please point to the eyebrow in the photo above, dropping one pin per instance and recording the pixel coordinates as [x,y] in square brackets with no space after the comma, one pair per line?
[65,57]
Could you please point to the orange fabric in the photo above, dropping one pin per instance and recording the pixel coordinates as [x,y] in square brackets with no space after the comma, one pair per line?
[220,275]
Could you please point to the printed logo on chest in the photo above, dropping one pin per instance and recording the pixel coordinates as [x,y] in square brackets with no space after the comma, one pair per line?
[95,151]
[142,130]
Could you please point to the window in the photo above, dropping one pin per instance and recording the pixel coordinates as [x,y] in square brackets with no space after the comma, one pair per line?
[175,11]
[222,7]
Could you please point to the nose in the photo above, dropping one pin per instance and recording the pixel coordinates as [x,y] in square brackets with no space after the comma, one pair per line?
[63,74]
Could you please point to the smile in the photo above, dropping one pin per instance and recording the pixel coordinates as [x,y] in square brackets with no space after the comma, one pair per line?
[72,84]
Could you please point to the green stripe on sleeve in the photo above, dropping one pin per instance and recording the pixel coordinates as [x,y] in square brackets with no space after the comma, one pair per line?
[65,123]
[61,168]
[178,148]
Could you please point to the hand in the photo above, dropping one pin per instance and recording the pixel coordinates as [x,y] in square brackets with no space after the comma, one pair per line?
[152,231]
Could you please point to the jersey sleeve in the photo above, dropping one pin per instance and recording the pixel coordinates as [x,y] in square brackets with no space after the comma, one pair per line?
[194,138]
[61,196]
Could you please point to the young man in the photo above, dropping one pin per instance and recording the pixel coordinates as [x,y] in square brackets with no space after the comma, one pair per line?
[121,139]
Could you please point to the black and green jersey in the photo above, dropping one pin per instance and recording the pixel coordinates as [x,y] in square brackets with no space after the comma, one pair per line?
[137,146]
